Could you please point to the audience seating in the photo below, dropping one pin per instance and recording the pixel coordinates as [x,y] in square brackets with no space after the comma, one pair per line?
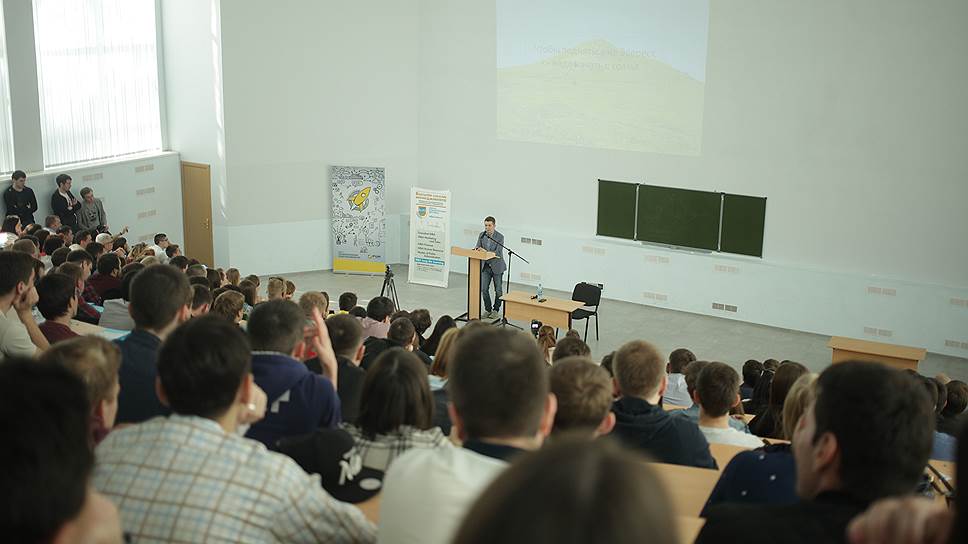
[689,487]
[591,295]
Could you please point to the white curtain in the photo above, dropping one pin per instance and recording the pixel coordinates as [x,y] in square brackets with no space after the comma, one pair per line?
[6,126]
[97,69]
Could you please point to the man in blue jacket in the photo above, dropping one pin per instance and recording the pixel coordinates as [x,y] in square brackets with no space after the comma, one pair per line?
[492,270]
[299,400]
[640,422]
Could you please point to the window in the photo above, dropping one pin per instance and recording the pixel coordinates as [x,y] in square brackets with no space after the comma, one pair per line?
[6,126]
[97,69]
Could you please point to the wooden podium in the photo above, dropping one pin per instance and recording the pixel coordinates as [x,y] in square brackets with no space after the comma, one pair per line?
[850,349]
[474,258]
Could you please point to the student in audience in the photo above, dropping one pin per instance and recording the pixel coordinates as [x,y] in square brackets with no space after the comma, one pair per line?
[95,249]
[217,485]
[301,400]
[116,315]
[767,422]
[26,245]
[346,337]
[444,323]
[203,281]
[377,321]
[63,203]
[767,475]
[291,291]
[771,364]
[66,232]
[19,199]
[161,243]
[197,270]
[866,436]
[106,282]
[201,300]
[96,361]
[150,260]
[607,363]
[639,420]
[313,299]
[952,417]
[584,393]
[57,302]
[677,394]
[752,370]
[717,391]
[172,251]
[570,347]
[52,223]
[251,293]
[692,413]
[546,341]
[83,238]
[396,415]
[229,305]
[47,464]
[19,334]
[214,278]
[52,244]
[254,279]
[573,491]
[358,312]
[501,405]
[85,312]
[91,213]
[438,378]
[400,334]
[180,262]
[160,301]
[347,301]
[86,262]
[421,322]
[943,445]
[232,276]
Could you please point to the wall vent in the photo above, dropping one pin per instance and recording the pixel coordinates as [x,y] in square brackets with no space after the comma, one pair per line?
[959,302]
[886,291]
[726,268]
[956,344]
[718,306]
[92,177]
[870,330]
[470,232]
[144,168]
[530,276]
[730,308]
[147,213]
[656,259]
[591,250]
[658,297]
[145,191]
[885,333]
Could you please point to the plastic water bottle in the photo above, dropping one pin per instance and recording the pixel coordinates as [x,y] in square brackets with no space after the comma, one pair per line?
[540,291]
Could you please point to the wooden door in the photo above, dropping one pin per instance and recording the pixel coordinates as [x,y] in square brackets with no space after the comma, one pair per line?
[197,212]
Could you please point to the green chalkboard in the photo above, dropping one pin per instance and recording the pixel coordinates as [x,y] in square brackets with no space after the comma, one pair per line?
[616,209]
[678,217]
[743,220]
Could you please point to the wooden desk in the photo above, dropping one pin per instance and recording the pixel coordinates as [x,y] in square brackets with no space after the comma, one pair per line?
[689,487]
[474,259]
[851,349]
[724,453]
[673,407]
[555,312]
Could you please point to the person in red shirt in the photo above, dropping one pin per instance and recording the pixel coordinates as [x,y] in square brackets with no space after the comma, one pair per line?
[106,282]
[57,303]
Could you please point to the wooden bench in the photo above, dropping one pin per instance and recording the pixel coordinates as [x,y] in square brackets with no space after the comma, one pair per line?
[688,487]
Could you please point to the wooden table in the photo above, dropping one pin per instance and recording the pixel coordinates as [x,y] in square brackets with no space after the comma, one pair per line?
[724,453]
[689,487]
[852,349]
[555,312]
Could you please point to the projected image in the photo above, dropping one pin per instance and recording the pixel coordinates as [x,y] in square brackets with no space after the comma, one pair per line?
[617,74]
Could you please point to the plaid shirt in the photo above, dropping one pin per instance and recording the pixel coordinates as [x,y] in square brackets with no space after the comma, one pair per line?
[90,295]
[379,452]
[183,479]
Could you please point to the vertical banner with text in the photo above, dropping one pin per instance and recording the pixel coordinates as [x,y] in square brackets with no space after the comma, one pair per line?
[359,219]
[429,237]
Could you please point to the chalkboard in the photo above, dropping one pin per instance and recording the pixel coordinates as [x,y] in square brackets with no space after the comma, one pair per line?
[616,209]
[678,217]
[743,220]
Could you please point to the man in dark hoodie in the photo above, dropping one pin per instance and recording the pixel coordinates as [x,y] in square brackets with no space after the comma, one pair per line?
[346,335]
[640,422]
[399,335]
[299,400]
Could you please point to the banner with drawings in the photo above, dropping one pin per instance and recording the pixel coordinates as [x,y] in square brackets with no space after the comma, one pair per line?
[359,219]
[429,237]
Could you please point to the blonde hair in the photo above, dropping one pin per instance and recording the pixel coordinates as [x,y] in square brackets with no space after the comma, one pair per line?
[313,299]
[801,394]
[443,353]
[150,260]
[138,251]
[275,288]
[93,359]
[233,276]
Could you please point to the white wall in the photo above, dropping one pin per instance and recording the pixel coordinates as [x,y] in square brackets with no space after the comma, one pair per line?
[307,85]
[849,117]
[142,192]
[191,48]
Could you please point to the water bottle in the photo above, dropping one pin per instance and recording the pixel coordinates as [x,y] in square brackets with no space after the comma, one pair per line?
[540,291]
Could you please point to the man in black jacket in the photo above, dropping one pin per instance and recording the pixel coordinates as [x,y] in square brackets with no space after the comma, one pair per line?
[400,335]
[639,420]
[20,199]
[63,203]
[867,436]
[346,335]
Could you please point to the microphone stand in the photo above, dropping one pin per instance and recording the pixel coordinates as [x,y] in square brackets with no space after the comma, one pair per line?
[511,254]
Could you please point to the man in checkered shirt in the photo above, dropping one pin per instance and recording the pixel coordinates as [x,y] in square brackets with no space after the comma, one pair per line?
[191,477]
